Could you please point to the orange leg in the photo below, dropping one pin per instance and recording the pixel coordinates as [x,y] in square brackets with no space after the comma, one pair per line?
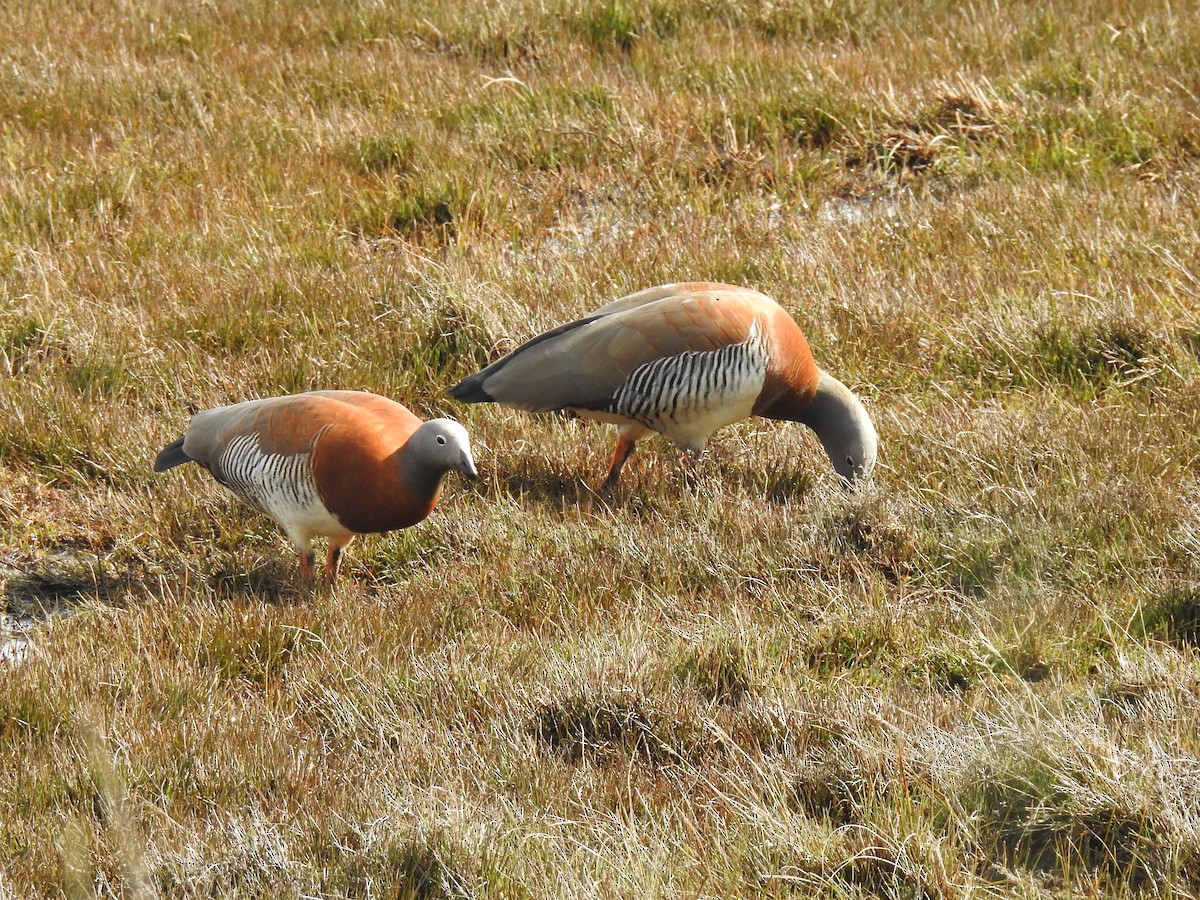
[624,450]
[331,564]
[331,561]
[307,558]
[627,438]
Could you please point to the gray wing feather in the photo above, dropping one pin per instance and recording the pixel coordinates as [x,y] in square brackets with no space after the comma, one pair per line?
[569,366]
[584,363]
[171,456]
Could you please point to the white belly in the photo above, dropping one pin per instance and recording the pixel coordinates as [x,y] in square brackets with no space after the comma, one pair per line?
[282,486]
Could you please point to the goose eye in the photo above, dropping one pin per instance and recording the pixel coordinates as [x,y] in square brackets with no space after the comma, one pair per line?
[850,461]
[441,439]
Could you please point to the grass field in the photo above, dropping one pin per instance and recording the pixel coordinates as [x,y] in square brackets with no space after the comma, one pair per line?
[978,677]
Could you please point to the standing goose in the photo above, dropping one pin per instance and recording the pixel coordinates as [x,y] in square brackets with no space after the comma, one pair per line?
[682,360]
[328,464]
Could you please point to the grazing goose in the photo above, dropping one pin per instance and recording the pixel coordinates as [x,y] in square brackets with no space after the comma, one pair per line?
[682,360]
[328,464]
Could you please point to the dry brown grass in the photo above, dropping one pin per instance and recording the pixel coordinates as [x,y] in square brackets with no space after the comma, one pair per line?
[977,678]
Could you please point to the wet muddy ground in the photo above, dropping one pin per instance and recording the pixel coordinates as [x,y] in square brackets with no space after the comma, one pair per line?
[36,588]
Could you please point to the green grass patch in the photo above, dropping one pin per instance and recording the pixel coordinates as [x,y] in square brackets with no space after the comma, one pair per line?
[247,648]
[1174,616]
[1083,359]
[383,153]
[721,673]
[1036,816]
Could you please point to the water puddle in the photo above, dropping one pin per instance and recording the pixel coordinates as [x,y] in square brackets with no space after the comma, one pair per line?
[605,217]
[14,644]
[611,217]
[36,588]
[854,209]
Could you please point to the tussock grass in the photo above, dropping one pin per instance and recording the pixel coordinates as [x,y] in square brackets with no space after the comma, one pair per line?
[976,678]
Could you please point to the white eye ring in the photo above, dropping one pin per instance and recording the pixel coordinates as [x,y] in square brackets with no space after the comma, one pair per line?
[441,439]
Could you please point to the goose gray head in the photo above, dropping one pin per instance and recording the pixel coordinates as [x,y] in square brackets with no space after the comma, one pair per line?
[443,444]
[845,429]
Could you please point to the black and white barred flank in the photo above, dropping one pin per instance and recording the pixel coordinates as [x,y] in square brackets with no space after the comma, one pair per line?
[676,388]
[272,482]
